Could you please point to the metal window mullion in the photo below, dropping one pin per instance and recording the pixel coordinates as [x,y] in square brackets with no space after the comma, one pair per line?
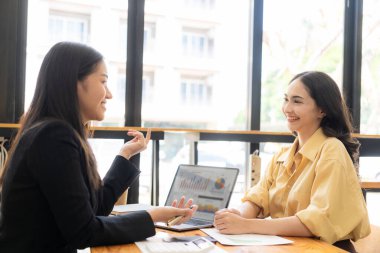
[256,68]
[352,58]
[155,186]
[133,90]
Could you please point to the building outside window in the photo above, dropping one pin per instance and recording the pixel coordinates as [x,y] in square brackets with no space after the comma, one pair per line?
[195,91]
[63,26]
[200,79]
[197,43]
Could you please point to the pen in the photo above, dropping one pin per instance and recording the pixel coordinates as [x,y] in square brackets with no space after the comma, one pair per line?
[175,219]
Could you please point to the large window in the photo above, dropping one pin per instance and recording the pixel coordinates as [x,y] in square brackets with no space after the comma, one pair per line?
[370,104]
[200,59]
[200,63]
[307,36]
[196,71]
[88,22]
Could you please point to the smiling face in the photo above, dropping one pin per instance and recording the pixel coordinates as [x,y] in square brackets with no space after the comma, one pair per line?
[93,94]
[302,114]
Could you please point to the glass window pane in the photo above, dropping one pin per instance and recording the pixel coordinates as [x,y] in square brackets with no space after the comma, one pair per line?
[308,37]
[370,89]
[197,56]
[373,207]
[89,22]
[369,168]
[199,64]
[267,151]
[145,178]
[105,151]
[174,150]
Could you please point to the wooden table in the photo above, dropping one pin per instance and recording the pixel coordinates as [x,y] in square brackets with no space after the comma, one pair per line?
[299,245]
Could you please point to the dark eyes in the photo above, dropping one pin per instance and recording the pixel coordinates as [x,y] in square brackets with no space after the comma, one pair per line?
[296,101]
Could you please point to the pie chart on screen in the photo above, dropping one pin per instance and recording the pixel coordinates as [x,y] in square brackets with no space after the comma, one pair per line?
[219,183]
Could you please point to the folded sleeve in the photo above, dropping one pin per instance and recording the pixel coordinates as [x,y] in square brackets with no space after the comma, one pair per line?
[337,208]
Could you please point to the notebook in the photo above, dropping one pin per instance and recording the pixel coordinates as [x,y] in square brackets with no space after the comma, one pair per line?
[210,188]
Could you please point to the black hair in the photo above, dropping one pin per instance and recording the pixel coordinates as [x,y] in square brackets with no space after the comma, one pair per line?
[337,120]
[55,96]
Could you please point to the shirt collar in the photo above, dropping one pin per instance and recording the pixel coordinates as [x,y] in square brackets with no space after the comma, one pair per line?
[309,150]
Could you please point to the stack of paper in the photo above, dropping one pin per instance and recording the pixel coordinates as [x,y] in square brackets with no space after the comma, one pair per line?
[245,239]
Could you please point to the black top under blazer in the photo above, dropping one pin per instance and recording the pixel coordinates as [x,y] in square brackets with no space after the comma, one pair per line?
[48,205]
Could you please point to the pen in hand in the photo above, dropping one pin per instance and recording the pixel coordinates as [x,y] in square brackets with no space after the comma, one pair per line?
[175,219]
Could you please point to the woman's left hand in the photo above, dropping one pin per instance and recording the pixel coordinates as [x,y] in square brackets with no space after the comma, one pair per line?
[136,145]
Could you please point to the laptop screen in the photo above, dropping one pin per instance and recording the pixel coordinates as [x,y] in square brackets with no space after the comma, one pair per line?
[209,187]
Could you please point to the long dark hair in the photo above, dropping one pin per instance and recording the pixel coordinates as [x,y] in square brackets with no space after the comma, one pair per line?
[55,96]
[337,121]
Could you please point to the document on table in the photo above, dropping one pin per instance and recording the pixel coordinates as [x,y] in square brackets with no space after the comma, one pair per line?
[158,243]
[245,239]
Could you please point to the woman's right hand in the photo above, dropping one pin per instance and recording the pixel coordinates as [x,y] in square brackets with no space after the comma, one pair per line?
[136,145]
[165,213]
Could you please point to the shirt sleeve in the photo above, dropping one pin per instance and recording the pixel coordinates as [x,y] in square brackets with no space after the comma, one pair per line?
[335,197]
[119,177]
[56,162]
[259,194]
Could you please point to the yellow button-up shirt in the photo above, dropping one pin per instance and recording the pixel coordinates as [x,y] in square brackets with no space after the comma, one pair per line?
[323,190]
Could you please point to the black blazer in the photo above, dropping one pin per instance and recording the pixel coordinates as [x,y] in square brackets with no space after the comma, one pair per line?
[48,204]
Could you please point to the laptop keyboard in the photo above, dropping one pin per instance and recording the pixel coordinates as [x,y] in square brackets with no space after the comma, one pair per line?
[198,222]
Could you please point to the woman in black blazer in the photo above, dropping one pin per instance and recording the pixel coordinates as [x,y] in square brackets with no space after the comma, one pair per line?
[52,198]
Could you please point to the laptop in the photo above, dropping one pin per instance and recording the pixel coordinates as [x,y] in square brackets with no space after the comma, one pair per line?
[210,188]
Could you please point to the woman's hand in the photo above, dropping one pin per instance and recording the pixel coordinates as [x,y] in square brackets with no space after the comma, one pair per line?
[230,210]
[165,213]
[181,203]
[230,221]
[136,145]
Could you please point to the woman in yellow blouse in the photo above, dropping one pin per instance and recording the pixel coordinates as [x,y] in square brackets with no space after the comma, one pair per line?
[310,189]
